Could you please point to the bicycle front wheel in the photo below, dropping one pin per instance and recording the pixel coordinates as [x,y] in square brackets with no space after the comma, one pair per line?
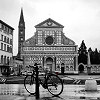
[29,84]
[54,85]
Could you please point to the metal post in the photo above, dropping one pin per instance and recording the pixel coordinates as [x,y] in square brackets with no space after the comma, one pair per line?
[37,83]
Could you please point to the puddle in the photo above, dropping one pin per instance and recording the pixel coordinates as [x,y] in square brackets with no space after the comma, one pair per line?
[71,92]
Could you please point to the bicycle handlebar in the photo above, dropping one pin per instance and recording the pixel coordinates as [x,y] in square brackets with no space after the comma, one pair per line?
[36,64]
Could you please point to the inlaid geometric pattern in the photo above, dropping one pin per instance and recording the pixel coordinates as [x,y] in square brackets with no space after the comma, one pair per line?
[49,41]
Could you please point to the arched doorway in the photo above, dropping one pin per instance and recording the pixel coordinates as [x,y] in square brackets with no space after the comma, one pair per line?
[49,63]
[62,68]
[81,68]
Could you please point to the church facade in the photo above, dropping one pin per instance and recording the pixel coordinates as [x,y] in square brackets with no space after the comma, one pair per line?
[51,48]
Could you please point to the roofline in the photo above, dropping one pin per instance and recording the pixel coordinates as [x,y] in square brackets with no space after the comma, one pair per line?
[49,26]
[38,25]
[16,58]
[6,24]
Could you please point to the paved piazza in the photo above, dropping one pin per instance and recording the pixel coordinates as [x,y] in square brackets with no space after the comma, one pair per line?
[71,92]
[84,77]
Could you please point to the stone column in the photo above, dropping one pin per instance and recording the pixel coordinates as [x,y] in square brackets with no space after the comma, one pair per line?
[44,62]
[76,63]
[55,63]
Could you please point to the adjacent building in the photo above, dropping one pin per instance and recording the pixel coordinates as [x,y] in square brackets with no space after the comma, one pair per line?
[17,65]
[6,45]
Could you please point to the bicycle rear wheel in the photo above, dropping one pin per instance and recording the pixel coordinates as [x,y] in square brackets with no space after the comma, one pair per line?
[29,84]
[54,85]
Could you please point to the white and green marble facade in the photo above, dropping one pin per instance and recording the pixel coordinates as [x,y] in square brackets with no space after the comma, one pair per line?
[51,48]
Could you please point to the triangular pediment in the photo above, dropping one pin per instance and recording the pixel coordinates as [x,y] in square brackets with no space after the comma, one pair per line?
[49,23]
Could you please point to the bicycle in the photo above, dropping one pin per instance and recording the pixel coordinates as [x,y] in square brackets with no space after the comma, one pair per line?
[51,82]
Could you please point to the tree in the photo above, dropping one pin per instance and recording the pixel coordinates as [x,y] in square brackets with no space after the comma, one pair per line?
[82,58]
[91,55]
[96,56]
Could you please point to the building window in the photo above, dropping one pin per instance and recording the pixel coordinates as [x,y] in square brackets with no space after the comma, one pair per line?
[58,67]
[5,28]
[2,59]
[7,48]
[10,31]
[7,40]
[11,41]
[1,46]
[1,37]
[4,47]
[58,37]
[2,27]
[71,68]
[8,60]
[10,49]
[21,32]
[67,68]
[4,38]
[39,37]
[21,39]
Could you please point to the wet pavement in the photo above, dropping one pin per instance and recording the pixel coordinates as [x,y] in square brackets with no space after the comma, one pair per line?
[71,92]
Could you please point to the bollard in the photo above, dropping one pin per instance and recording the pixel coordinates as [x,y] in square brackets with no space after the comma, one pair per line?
[37,83]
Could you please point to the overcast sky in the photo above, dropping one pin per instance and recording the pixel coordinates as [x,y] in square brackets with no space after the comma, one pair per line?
[80,18]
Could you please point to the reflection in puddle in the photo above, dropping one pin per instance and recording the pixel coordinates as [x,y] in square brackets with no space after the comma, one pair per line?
[19,89]
[12,89]
[89,98]
[78,91]
[73,92]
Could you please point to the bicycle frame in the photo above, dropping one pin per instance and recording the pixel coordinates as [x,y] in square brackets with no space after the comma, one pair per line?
[47,81]
[43,83]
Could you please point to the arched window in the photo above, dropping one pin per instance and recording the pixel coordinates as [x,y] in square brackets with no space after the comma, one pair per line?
[67,68]
[58,67]
[8,60]
[71,68]
[2,59]
[62,65]
[4,38]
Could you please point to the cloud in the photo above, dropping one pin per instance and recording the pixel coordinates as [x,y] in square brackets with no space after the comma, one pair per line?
[8,5]
[81,18]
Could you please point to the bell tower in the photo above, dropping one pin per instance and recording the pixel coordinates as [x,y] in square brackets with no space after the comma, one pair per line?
[21,32]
